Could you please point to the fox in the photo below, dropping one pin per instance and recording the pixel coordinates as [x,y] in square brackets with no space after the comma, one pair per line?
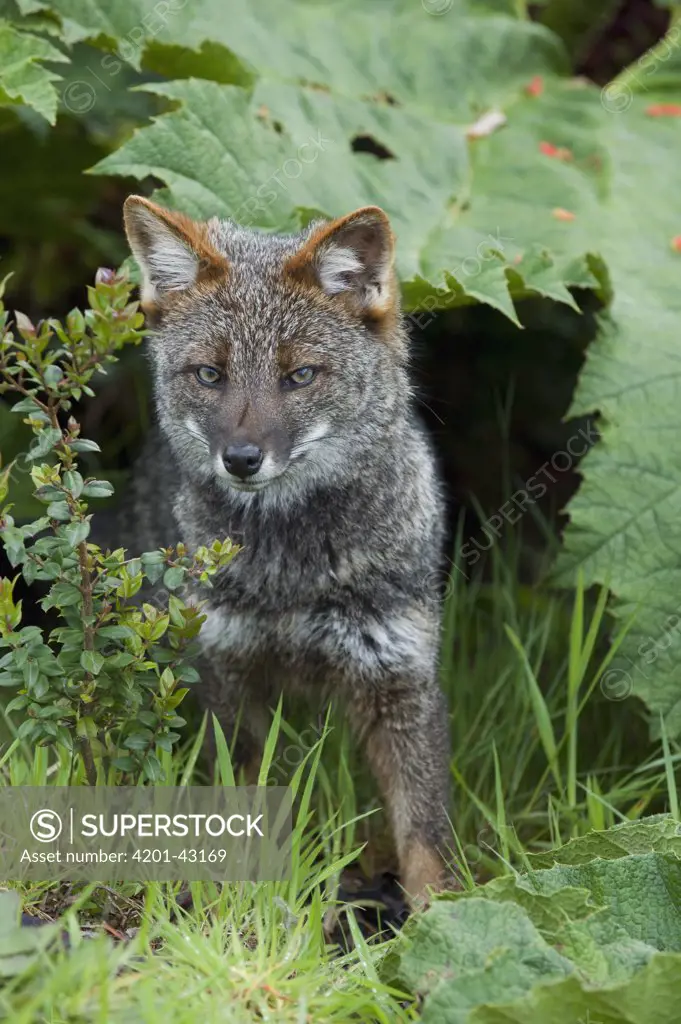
[286,420]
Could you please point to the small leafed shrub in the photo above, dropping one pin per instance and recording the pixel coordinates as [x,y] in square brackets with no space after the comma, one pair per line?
[113,672]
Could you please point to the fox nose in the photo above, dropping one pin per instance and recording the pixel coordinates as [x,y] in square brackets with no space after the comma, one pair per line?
[242,460]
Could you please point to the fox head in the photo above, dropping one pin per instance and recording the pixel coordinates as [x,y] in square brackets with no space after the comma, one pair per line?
[279,360]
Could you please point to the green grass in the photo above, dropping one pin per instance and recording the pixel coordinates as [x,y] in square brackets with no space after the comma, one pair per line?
[539,755]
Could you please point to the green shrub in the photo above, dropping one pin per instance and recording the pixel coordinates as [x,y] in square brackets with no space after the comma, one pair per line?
[112,674]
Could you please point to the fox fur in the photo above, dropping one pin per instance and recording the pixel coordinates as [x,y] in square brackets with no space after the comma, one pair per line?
[334,593]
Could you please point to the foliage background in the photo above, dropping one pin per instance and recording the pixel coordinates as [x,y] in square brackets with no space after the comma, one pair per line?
[541,260]
[262,113]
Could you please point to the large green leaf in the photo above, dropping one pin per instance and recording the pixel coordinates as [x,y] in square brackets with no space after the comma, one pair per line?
[265,155]
[626,519]
[23,79]
[657,833]
[475,216]
[471,952]
[392,46]
[652,996]
[585,938]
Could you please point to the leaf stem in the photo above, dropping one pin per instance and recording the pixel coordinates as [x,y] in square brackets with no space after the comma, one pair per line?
[86,587]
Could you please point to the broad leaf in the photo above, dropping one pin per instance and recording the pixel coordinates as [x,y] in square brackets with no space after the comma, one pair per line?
[584,935]
[470,952]
[23,79]
[626,518]
[333,122]
[660,834]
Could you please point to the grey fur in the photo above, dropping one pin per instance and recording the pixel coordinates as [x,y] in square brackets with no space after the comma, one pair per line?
[334,592]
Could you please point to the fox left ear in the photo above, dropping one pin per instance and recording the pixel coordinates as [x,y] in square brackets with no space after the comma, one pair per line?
[353,258]
[173,252]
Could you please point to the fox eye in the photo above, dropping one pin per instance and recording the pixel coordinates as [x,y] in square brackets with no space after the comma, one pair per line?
[208,375]
[299,378]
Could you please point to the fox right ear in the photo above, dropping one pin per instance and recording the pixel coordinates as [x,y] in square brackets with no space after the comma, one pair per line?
[172,250]
[352,258]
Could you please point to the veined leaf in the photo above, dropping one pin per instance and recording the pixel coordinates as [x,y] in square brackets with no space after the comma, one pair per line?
[625,520]
[23,79]
[579,940]
[334,122]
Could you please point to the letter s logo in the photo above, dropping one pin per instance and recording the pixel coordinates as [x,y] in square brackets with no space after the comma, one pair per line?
[46,826]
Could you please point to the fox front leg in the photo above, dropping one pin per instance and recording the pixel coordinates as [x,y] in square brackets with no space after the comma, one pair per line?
[241,713]
[407,743]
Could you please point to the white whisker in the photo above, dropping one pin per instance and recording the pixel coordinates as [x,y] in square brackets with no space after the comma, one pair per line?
[192,428]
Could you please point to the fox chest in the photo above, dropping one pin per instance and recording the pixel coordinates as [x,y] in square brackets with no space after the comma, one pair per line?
[314,608]
[268,604]
[320,644]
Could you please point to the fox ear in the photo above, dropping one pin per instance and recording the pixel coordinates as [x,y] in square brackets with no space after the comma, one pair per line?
[172,250]
[353,258]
